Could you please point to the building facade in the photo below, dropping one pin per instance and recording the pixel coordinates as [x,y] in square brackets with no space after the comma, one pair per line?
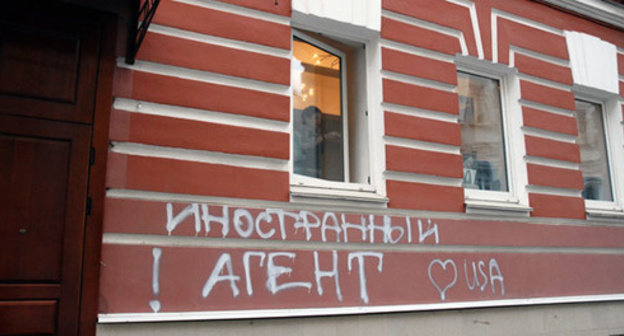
[446,167]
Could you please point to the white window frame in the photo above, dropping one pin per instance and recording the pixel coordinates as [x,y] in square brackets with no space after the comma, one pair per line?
[513,202]
[614,142]
[305,189]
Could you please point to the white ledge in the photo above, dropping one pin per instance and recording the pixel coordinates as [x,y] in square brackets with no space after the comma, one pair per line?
[598,10]
[321,195]
[605,215]
[494,208]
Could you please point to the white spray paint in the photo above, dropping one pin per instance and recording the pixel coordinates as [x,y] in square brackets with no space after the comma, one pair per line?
[224,260]
[156,254]
[360,258]
[318,274]
[275,271]
[443,264]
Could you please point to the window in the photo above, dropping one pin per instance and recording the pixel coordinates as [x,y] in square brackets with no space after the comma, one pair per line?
[492,149]
[594,154]
[332,150]
[320,132]
[483,144]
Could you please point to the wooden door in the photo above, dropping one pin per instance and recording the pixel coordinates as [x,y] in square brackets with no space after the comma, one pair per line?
[48,72]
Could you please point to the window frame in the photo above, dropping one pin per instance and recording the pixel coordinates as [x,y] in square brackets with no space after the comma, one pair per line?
[513,202]
[305,189]
[612,125]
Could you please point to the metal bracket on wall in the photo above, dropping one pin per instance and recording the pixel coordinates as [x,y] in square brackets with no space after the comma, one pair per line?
[137,32]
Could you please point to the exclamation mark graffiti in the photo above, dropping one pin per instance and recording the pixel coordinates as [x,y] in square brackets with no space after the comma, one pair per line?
[155,304]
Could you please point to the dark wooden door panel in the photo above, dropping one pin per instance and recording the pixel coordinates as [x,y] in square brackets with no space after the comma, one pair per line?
[40,314]
[48,65]
[42,208]
[33,198]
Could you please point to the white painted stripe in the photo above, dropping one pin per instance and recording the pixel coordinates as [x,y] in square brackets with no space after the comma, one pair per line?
[551,162]
[546,108]
[306,312]
[553,191]
[422,178]
[544,134]
[165,240]
[236,160]
[238,10]
[621,77]
[206,77]
[421,145]
[422,113]
[537,55]
[172,111]
[220,41]
[409,49]
[429,26]
[474,20]
[419,81]
[544,82]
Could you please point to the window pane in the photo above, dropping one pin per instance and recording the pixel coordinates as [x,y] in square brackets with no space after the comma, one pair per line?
[483,147]
[317,112]
[594,160]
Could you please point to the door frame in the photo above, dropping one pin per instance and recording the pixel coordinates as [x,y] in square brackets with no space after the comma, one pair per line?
[96,191]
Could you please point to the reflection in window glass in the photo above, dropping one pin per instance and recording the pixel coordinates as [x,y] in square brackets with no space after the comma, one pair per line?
[483,148]
[594,160]
[317,112]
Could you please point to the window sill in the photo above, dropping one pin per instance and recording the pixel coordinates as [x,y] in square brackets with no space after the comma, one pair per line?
[496,208]
[336,196]
[605,215]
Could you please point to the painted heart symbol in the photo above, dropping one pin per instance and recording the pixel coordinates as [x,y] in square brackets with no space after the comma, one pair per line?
[443,265]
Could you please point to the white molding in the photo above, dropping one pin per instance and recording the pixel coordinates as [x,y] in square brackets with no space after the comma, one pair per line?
[173,111]
[235,160]
[418,81]
[537,55]
[421,145]
[546,108]
[306,312]
[145,195]
[598,10]
[545,134]
[474,20]
[458,34]
[544,82]
[409,49]
[219,41]
[238,10]
[420,113]
[423,178]
[495,14]
[493,208]
[206,77]
[361,198]
[537,189]
[551,162]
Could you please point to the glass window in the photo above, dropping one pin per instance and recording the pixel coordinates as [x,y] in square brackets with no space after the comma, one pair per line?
[593,147]
[483,147]
[318,111]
